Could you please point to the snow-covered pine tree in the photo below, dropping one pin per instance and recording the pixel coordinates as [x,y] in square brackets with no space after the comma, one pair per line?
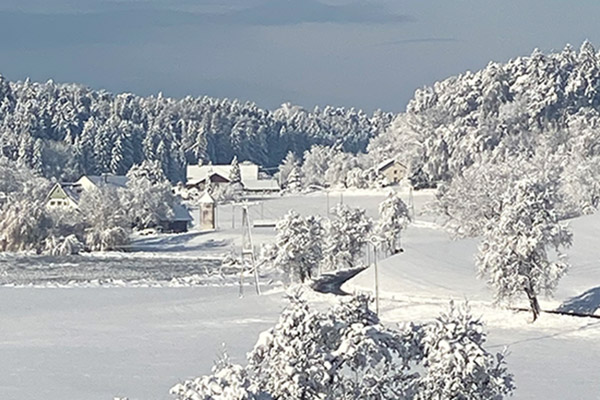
[286,167]
[347,233]
[394,216]
[294,181]
[235,175]
[457,365]
[514,254]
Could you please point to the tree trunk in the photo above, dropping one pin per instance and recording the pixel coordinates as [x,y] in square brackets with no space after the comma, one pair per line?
[533,302]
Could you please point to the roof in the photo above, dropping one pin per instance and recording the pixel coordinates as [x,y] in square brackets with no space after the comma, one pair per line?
[261,185]
[181,213]
[387,163]
[108,179]
[206,198]
[198,173]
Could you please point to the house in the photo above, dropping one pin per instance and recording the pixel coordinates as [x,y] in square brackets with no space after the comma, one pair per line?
[68,195]
[198,176]
[393,170]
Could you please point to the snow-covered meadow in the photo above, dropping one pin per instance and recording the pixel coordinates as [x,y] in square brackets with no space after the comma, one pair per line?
[95,343]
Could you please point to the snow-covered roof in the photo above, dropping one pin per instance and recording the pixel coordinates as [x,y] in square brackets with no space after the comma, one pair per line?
[387,163]
[206,198]
[198,173]
[260,185]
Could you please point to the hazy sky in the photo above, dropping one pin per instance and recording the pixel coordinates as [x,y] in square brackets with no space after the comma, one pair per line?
[364,53]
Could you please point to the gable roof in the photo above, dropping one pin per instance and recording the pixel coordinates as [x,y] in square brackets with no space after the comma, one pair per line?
[388,163]
[198,173]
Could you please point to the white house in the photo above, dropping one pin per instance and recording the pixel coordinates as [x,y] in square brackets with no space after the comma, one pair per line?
[200,175]
[392,169]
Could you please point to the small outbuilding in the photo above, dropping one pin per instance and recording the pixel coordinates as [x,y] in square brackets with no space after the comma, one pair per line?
[207,212]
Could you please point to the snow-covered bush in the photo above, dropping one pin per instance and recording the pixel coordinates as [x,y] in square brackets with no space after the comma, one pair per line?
[63,246]
[514,254]
[394,216]
[347,234]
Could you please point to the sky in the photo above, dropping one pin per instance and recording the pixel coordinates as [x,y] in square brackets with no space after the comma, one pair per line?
[368,54]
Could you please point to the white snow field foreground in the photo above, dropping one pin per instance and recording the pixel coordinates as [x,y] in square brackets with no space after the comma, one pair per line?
[99,342]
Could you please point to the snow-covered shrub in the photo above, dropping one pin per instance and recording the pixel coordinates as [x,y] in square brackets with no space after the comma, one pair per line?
[347,234]
[63,246]
[514,254]
[393,218]
[457,365]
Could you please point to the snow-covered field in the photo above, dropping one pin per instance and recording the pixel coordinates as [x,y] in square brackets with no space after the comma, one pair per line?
[95,343]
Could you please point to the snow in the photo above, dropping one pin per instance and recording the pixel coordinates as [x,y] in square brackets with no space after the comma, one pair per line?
[557,357]
[100,342]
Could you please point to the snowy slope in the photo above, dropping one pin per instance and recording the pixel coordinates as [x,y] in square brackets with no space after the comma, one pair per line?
[558,357]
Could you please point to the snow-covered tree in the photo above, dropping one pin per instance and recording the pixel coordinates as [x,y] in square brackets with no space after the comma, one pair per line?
[294,181]
[394,216]
[346,353]
[289,163]
[228,381]
[289,361]
[235,175]
[298,246]
[347,234]
[457,365]
[148,200]
[107,226]
[515,252]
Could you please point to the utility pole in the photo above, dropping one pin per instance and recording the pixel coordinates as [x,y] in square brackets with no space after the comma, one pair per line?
[411,203]
[375,242]
[248,251]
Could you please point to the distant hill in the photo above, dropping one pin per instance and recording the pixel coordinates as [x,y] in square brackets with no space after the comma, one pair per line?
[65,130]
[517,110]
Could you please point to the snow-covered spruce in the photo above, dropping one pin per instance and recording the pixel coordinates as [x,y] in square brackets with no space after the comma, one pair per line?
[346,353]
[514,254]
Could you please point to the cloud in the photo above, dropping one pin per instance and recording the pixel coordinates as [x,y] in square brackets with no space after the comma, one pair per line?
[294,12]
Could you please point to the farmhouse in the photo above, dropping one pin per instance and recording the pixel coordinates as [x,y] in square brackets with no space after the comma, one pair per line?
[198,176]
[67,195]
[393,170]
